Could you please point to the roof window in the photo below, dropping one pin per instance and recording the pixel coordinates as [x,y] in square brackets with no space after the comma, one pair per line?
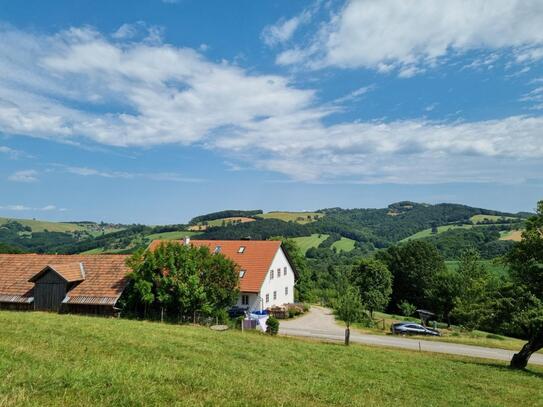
[241,249]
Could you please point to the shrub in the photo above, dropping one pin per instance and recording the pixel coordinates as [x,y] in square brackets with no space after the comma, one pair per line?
[406,308]
[272,326]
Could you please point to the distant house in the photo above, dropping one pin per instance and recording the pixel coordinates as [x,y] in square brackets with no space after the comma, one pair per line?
[266,274]
[80,284]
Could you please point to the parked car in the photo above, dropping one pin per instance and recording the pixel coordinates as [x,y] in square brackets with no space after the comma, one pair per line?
[235,312]
[411,328]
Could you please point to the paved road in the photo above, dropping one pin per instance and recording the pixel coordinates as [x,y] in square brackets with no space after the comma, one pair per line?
[319,323]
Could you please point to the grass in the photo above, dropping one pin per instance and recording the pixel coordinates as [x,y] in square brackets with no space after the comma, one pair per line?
[344,244]
[299,217]
[176,235]
[491,218]
[50,359]
[41,225]
[440,229]
[307,242]
[514,235]
[493,266]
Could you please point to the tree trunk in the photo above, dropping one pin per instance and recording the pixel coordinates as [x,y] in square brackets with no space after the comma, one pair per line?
[347,336]
[520,360]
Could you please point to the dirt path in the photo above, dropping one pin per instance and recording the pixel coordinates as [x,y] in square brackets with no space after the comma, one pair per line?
[319,323]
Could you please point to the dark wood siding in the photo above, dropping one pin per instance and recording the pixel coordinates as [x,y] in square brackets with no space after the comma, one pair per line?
[49,291]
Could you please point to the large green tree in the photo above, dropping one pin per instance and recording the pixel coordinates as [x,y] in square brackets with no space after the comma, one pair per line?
[414,266]
[446,287]
[374,282]
[526,263]
[182,280]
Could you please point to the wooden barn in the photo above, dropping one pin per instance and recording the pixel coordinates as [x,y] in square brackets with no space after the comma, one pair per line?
[61,283]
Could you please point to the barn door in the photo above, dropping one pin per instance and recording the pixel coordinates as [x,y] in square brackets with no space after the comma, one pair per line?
[49,292]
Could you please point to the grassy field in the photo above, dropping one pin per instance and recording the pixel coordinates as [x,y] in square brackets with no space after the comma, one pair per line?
[299,217]
[440,229]
[41,225]
[492,265]
[514,235]
[180,234]
[344,245]
[307,242]
[49,359]
[492,218]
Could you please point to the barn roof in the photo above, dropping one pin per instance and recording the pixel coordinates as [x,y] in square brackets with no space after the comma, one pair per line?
[104,276]
[255,258]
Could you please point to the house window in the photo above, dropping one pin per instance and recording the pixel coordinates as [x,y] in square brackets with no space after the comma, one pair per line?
[241,273]
[285,271]
[286,290]
[241,249]
[271,274]
[217,249]
[275,295]
[278,272]
[267,297]
[244,300]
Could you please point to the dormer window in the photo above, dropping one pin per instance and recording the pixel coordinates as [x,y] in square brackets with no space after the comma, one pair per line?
[241,249]
[241,273]
[217,249]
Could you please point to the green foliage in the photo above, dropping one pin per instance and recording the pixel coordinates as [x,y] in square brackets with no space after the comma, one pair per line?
[272,326]
[349,307]
[181,280]
[414,266]
[374,282]
[444,290]
[407,309]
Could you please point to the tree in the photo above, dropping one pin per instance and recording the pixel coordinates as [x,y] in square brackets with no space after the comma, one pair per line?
[374,282]
[445,288]
[349,309]
[182,280]
[434,228]
[473,306]
[414,266]
[526,263]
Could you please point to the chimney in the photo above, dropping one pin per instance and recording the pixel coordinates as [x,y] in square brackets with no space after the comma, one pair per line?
[186,241]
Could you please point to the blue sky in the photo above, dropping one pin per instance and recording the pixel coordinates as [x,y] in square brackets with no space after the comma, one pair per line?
[156,111]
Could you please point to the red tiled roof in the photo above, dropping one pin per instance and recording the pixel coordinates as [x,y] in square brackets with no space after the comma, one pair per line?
[71,272]
[105,275]
[256,259]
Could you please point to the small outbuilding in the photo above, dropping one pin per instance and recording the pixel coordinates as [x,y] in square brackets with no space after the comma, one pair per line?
[89,284]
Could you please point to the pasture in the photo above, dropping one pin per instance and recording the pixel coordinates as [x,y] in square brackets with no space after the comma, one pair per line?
[344,244]
[307,242]
[50,359]
[299,217]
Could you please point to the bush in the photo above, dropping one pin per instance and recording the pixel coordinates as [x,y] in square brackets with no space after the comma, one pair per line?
[272,326]
[406,308]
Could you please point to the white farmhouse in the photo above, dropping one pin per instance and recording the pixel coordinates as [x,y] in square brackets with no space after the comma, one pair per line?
[266,275]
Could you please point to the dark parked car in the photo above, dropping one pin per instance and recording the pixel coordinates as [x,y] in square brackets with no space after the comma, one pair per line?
[235,312]
[411,328]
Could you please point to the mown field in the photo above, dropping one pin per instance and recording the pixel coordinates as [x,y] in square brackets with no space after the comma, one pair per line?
[440,229]
[344,244]
[307,242]
[42,225]
[490,218]
[299,217]
[494,266]
[49,359]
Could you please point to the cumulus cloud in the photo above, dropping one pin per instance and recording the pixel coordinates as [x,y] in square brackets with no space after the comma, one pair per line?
[24,208]
[414,34]
[81,84]
[24,176]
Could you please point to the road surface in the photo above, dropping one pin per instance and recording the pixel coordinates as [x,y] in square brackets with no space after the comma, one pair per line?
[320,323]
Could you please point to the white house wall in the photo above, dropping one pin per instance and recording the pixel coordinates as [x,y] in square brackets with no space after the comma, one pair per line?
[279,282]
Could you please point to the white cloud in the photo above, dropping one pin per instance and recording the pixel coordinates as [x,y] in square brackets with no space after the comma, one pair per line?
[283,30]
[24,176]
[24,208]
[414,34]
[79,84]
[158,176]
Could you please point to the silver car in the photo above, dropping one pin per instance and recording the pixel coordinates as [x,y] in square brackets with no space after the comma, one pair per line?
[411,328]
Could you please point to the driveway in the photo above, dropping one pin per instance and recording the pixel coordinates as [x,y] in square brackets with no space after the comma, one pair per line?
[319,323]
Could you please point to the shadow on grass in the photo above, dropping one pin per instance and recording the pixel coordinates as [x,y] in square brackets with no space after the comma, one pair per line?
[505,368]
